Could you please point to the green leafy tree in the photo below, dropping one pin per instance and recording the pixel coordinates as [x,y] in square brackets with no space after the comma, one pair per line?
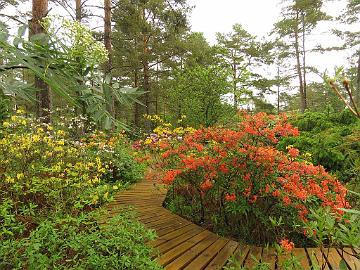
[198,93]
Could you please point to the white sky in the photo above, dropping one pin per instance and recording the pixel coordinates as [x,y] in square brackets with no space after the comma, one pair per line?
[258,18]
[211,16]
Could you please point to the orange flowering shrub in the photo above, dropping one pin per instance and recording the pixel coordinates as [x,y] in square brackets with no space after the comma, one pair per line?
[235,178]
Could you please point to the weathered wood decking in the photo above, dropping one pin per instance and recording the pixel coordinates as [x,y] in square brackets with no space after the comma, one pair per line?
[184,245]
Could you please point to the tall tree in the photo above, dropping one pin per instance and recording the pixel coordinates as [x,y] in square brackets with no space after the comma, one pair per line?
[108,46]
[299,18]
[146,37]
[78,10]
[39,12]
[242,53]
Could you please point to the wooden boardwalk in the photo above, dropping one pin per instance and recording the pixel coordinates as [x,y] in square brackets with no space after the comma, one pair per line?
[184,245]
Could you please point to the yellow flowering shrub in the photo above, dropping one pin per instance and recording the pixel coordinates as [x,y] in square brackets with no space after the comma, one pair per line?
[43,170]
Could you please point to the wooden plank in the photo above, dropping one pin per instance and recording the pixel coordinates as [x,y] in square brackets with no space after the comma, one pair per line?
[316,257]
[179,240]
[170,229]
[352,262]
[192,253]
[300,254]
[163,219]
[166,221]
[169,236]
[170,226]
[201,261]
[151,216]
[175,252]
[222,257]
[240,254]
[269,257]
[254,257]
[333,258]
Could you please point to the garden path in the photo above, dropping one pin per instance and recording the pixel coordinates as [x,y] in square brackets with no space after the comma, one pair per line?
[184,245]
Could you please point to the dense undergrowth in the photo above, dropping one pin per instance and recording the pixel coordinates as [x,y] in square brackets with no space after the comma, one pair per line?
[52,182]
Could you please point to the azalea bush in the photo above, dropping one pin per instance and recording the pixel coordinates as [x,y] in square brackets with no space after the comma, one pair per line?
[45,171]
[235,181]
[51,183]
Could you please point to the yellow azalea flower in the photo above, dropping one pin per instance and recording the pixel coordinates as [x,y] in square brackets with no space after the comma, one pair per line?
[61,142]
[36,138]
[58,149]
[148,141]
[6,124]
[60,133]
[40,130]
[9,180]
[13,118]
[115,187]
[20,176]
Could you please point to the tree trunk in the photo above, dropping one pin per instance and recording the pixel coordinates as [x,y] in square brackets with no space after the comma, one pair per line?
[43,106]
[304,61]
[298,64]
[357,93]
[108,65]
[146,75]
[278,90]
[234,71]
[78,11]
[137,107]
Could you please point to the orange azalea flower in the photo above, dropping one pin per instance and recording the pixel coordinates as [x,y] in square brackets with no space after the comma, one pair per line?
[230,197]
[287,245]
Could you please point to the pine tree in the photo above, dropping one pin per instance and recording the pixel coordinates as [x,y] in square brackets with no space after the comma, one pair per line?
[299,18]
[146,36]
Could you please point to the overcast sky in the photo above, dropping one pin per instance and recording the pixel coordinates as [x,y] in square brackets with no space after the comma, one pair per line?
[258,18]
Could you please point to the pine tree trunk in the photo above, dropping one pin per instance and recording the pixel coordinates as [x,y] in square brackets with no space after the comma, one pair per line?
[137,107]
[43,107]
[108,65]
[298,65]
[304,63]
[78,11]
[234,70]
[357,93]
[278,90]
[146,75]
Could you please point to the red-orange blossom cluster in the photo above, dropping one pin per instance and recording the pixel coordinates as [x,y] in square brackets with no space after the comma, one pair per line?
[245,163]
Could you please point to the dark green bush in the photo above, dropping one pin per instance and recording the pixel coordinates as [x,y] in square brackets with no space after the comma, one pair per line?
[332,139]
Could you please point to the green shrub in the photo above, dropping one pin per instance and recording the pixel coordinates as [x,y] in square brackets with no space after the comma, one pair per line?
[81,243]
[333,140]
